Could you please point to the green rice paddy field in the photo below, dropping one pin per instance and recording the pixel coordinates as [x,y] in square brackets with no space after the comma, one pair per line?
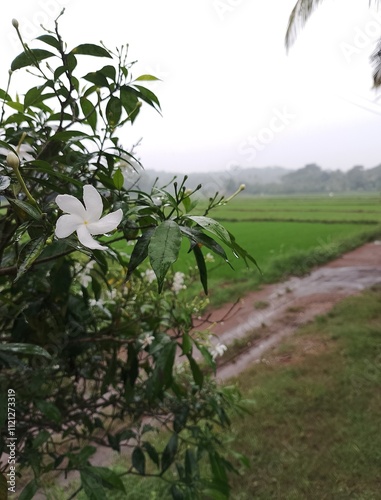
[289,235]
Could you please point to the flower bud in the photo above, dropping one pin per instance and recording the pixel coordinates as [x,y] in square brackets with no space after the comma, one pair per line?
[242,187]
[15,23]
[13,160]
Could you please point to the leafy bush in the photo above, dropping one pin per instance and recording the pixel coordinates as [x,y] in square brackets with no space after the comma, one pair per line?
[87,344]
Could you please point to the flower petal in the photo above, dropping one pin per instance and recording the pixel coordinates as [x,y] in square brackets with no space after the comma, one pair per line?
[67,224]
[108,223]
[87,240]
[71,205]
[93,203]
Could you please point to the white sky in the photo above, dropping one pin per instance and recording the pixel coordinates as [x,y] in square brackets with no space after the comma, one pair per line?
[230,94]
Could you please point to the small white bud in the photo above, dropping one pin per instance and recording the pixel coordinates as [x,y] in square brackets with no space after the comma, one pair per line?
[15,23]
[242,187]
[13,160]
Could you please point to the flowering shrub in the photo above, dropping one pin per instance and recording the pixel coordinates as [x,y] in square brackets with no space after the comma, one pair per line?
[87,342]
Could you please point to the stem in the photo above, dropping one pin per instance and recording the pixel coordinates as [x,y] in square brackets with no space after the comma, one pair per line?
[25,189]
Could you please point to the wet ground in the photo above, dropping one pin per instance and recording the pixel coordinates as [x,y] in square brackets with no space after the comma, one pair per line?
[263,318]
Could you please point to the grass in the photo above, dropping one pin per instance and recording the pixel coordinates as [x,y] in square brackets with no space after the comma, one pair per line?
[314,428]
[287,236]
[294,250]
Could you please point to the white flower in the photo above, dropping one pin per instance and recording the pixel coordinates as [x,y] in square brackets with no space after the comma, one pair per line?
[218,350]
[209,257]
[101,305]
[149,275]
[85,219]
[147,340]
[178,282]
[84,275]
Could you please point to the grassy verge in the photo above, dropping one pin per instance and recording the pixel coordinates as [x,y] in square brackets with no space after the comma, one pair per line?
[314,428]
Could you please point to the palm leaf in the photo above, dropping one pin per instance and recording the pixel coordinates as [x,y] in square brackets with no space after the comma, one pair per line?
[298,18]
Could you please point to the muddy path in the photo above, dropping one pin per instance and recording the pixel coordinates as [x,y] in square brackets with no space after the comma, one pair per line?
[264,318]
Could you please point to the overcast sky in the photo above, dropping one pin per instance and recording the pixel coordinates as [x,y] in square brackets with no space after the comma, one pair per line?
[230,94]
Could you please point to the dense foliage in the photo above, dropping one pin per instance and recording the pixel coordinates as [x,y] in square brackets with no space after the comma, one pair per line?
[91,349]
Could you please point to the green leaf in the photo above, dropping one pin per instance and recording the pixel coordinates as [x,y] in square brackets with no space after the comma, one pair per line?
[140,252]
[152,453]
[208,358]
[212,226]
[199,237]
[41,438]
[191,465]
[130,102]
[217,229]
[110,479]
[164,248]
[15,105]
[30,58]
[148,96]
[68,135]
[241,252]
[25,349]
[90,49]
[97,78]
[49,40]
[81,458]
[91,484]
[70,64]
[109,72]
[169,453]
[139,460]
[29,491]
[201,267]
[186,344]
[198,377]
[4,96]
[94,479]
[35,97]
[89,111]
[60,116]
[33,249]
[113,111]
[50,410]
[146,78]
[118,179]
[26,208]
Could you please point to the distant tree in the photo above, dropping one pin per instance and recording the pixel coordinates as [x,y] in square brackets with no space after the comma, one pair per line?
[298,18]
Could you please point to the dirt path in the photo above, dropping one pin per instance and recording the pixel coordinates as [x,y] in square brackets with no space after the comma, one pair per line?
[263,318]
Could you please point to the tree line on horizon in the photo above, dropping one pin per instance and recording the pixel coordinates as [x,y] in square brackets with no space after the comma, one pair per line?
[275,180]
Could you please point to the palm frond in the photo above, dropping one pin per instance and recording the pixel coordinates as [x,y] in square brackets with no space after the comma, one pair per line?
[375,59]
[300,15]
[298,18]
